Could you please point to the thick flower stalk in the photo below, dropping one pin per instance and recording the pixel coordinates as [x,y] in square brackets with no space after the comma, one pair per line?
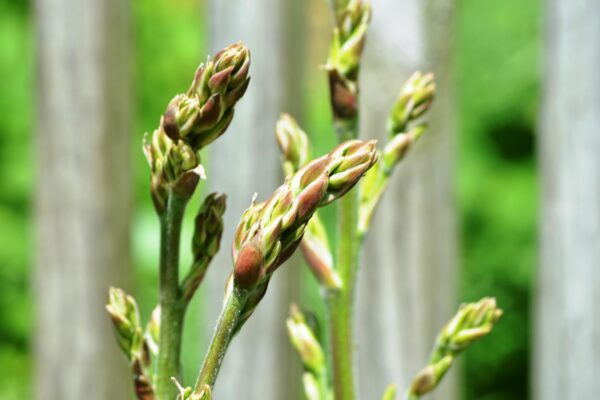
[125,316]
[311,353]
[269,232]
[471,322]
[404,129]
[345,53]
[192,120]
[295,149]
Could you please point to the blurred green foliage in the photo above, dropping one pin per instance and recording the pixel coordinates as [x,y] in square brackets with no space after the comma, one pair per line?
[497,70]
[498,46]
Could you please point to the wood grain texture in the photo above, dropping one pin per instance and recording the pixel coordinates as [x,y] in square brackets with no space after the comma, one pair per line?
[83,195]
[260,363]
[567,338]
[407,285]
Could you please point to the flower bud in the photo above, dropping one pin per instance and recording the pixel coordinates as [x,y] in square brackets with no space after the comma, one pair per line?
[349,39]
[293,143]
[124,314]
[304,340]
[414,100]
[430,376]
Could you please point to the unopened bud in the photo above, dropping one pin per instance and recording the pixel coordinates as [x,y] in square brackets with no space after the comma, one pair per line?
[349,39]
[293,143]
[414,100]
[124,314]
[430,376]
[304,341]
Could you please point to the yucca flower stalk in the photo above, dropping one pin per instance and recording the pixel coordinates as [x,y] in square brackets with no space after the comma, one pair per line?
[192,120]
[343,67]
[472,322]
[269,232]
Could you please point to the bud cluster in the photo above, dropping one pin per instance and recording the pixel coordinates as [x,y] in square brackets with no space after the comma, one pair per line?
[125,316]
[471,322]
[269,232]
[194,120]
[203,113]
[349,39]
[414,100]
[295,149]
[344,57]
[206,241]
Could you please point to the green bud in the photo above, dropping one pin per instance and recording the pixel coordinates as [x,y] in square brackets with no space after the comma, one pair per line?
[304,341]
[293,143]
[124,314]
[430,376]
[414,100]
[471,322]
[349,39]
[174,166]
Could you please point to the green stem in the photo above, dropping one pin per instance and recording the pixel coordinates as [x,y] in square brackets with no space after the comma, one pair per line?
[340,304]
[224,332]
[171,305]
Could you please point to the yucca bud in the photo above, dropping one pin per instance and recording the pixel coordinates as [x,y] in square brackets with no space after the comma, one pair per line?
[349,39]
[430,376]
[204,112]
[174,166]
[269,232]
[414,100]
[124,314]
[317,253]
[293,143]
[208,227]
[205,242]
[395,150]
[471,322]
[304,340]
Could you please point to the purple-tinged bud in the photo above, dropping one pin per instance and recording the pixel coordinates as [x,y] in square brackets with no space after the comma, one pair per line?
[248,266]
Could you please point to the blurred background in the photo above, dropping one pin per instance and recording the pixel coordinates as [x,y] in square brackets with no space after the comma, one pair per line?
[498,199]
